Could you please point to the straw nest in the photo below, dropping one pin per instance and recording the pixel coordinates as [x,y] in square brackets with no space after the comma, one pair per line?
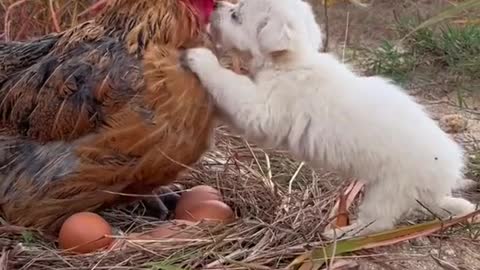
[281,205]
[282,208]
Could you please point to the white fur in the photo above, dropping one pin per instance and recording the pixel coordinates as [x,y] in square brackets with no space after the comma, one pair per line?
[316,107]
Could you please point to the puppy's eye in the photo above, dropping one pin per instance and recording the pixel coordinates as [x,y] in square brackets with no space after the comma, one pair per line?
[234,16]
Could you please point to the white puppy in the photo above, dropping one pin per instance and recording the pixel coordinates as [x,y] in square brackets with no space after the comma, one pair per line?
[316,107]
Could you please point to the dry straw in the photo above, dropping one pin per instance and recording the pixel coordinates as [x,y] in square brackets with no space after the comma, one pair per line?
[282,204]
[276,223]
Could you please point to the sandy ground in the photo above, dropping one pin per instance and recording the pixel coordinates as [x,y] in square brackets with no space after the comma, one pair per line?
[351,27]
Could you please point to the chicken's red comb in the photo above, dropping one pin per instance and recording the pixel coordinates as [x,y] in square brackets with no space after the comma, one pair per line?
[204,7]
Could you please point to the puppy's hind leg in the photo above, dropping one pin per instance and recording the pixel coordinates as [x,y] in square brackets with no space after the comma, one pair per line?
[452,206]
[379,211]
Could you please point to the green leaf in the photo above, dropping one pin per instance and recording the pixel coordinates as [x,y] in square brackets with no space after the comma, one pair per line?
[314,259]
[161,266]
[446,14]
[28,237]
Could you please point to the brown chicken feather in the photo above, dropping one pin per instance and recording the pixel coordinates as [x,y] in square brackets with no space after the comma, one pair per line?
[100,109]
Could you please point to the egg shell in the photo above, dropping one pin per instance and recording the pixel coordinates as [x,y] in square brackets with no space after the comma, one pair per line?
[211,210]
[84,232]
[195,195]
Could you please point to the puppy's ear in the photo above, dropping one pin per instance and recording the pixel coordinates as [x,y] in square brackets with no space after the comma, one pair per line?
[274,35]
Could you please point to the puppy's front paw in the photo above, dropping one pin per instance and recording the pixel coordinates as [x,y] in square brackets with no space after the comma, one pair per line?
[199,59]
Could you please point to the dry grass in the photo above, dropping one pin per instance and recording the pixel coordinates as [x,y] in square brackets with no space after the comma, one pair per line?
[277,223]
[281,214]
[21,19]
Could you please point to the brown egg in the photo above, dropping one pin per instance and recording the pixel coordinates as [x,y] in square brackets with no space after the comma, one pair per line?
[84,232]
[211,210]
[195,195]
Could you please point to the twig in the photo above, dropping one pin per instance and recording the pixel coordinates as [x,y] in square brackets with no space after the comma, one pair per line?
[94,8]
[294,176]
[325,13]
[4,260]
[6,25]
[12,229]
[444,264]
[22,29]
[346,36]
[53,13]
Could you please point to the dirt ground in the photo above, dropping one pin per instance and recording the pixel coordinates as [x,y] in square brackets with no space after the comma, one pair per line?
[351,27]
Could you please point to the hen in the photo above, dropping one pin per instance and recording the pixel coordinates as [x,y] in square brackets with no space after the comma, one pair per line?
[100,110]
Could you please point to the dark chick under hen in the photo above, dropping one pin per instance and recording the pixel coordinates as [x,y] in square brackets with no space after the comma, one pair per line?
[100,110]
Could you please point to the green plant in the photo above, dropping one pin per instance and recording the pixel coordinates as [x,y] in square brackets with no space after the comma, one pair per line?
[461,49]
[474,164]
[390,61]
[453,50]
[28,238]
[456,48]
